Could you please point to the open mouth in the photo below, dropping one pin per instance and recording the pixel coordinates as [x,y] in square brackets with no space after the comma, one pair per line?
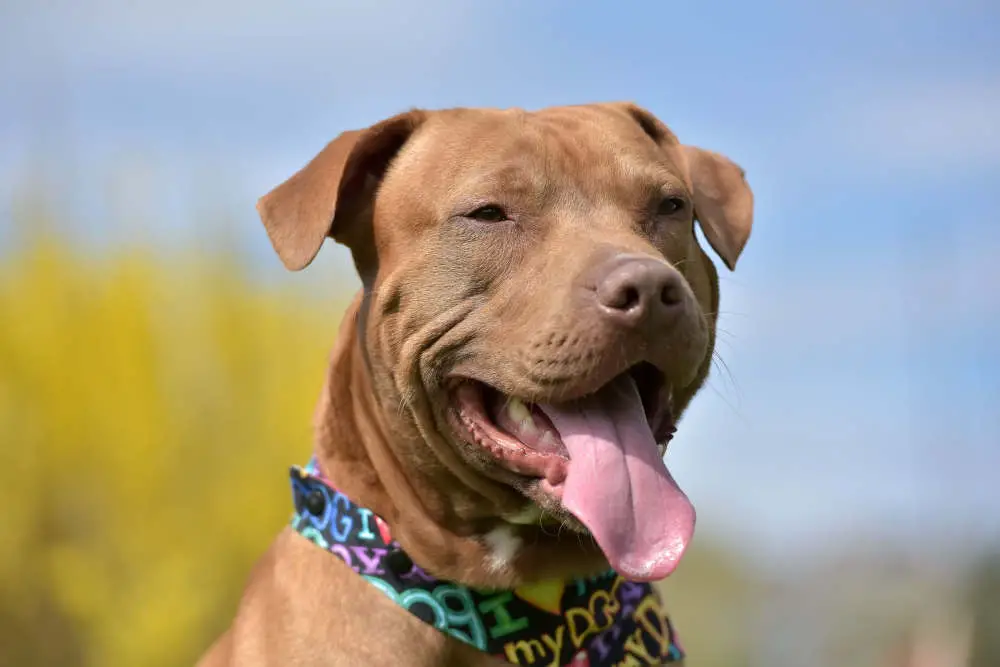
[523,439]
[601,456]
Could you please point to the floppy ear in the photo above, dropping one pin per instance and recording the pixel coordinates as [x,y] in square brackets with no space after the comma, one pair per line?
[723,202]
[322,197]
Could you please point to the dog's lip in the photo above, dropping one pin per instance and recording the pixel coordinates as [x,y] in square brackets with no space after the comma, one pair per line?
[471,418]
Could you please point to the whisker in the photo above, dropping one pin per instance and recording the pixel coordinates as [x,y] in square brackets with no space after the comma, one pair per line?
[720,364]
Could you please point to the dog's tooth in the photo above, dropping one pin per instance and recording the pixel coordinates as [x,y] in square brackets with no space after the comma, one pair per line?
[521,414]
[548,439]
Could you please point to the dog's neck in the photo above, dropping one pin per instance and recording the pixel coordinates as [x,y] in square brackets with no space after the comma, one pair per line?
[595,621]
[344,421]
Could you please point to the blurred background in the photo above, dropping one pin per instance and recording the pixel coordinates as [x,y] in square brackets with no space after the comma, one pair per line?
[158,368]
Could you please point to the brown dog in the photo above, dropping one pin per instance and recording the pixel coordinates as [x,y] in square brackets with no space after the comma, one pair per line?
[536,314]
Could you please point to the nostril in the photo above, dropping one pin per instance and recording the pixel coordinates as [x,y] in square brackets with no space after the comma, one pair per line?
[624,297]
[629,298]
[671,294]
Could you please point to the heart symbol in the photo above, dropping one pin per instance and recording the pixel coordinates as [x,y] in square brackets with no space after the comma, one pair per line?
[546,595]
[580,660]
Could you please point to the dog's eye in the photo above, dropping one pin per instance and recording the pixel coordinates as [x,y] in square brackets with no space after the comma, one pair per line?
[670,205]
[488,213]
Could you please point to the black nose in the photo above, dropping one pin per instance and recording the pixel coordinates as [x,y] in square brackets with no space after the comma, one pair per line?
[633,290]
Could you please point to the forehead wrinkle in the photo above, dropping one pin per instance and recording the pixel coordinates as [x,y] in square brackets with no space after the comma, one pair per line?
[641,174]
[503,184]
[568,164]
[514,172]
[609,174]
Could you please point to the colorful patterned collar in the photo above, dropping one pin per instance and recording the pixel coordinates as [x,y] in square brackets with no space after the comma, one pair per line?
[597,622]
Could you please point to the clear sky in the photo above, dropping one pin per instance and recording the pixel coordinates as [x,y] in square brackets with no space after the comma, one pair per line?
[862,327]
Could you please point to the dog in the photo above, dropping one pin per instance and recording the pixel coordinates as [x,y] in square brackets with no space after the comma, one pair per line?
[536,314]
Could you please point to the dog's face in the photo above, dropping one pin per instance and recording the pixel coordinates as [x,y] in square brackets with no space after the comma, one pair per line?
[537,311]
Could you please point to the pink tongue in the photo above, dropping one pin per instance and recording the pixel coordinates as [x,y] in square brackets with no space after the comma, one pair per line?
[617,484]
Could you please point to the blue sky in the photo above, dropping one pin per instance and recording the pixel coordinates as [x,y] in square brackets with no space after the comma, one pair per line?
[861,326]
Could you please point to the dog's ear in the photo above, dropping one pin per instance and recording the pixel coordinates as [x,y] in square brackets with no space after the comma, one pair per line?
[319,200]
[723,202]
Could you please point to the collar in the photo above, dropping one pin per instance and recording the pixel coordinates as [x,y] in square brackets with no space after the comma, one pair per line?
[595,622]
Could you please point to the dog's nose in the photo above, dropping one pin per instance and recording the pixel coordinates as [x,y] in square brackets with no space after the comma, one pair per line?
[633,290]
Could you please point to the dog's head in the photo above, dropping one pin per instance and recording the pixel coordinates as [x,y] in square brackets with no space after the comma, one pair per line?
[536,315]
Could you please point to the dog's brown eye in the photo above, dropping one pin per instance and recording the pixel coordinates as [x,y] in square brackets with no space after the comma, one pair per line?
[670,205]
[488,214]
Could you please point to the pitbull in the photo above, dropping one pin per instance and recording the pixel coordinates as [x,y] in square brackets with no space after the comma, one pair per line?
[536,314]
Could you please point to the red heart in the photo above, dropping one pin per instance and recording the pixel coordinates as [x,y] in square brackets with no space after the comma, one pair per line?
[580,660]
